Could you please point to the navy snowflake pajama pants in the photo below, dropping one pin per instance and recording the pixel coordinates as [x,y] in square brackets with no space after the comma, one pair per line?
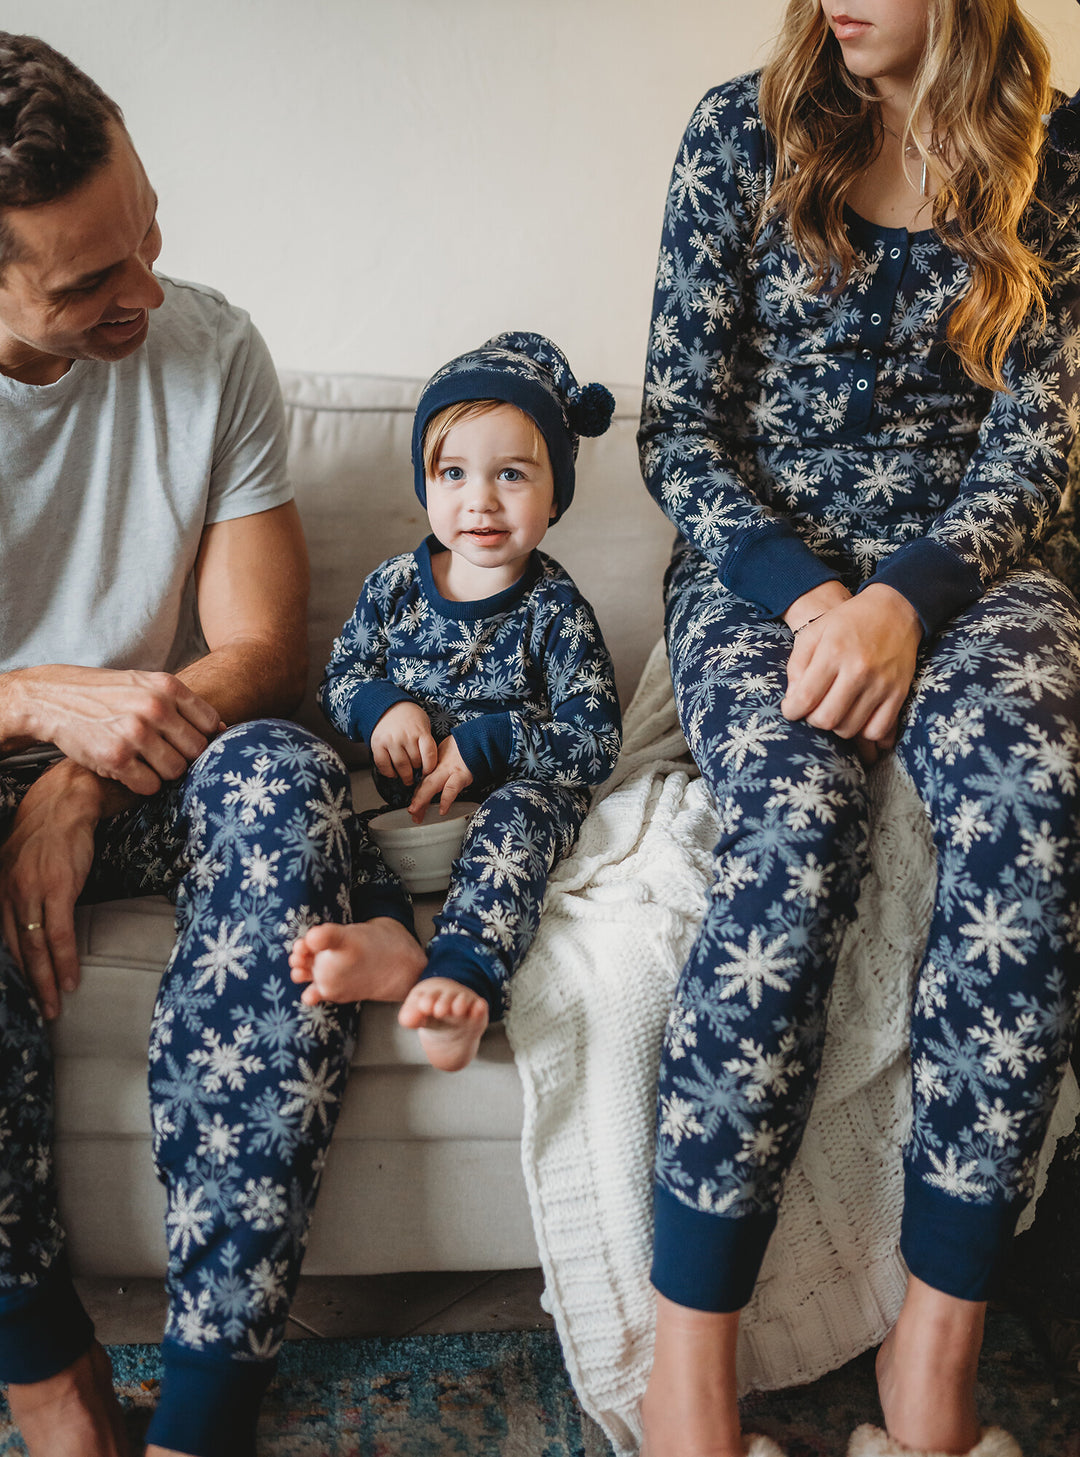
[989,738]
[519,833]
[257,844]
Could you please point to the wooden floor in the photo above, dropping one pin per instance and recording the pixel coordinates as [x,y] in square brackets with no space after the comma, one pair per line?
[127,1311]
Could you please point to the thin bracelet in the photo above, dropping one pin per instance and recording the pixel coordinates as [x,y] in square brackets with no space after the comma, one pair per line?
[795,631]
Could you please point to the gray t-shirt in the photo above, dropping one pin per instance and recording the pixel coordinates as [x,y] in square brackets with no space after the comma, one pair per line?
[110,475]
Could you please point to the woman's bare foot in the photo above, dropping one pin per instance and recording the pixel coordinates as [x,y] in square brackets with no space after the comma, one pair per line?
[72,1414]
[371,961]
[926,1371]
[690,1408]
[449,1018]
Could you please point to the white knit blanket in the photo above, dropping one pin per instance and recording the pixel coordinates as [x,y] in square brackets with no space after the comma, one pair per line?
[589,1006]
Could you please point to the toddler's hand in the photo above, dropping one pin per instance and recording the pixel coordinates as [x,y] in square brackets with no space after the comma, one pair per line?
[449,777]
[402,744]
[302,969]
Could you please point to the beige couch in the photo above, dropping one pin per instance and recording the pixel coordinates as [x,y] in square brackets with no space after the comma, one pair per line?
[424,1173]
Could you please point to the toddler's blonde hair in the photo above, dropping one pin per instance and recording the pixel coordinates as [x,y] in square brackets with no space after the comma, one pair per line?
[441,423]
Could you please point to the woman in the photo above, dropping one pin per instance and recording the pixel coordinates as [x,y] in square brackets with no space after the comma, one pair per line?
[863,382]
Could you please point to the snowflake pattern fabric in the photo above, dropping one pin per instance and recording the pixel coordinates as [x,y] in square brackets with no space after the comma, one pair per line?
[497,884]
[795,437]
[524,682]
[256,844]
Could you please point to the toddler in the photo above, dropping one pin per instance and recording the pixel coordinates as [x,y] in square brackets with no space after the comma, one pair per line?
[474,663]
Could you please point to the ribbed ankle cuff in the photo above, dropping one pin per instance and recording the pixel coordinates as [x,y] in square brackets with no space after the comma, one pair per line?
[369,901]
[208,1408]
[707,1261]
[457,958]
[43,1327]
[953,1245]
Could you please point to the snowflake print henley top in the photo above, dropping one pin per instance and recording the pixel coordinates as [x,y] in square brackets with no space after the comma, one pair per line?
[523,680]
[794,437]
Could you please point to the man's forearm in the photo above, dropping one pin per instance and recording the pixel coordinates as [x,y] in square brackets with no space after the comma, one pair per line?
[242,680]
[250,677]
[18,728]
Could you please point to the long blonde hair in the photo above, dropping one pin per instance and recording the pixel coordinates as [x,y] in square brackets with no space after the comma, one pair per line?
[984,85]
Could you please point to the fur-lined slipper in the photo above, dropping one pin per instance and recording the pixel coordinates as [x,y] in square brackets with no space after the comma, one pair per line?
[758,1446]
[870,1441]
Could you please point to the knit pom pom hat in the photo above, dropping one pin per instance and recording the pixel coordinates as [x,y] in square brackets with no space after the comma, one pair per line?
[1063,125]
[532,373]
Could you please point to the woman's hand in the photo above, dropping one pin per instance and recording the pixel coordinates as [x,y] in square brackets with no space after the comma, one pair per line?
[851,668]
[815,603]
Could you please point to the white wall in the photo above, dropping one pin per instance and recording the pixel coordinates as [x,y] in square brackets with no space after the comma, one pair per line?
[383,183]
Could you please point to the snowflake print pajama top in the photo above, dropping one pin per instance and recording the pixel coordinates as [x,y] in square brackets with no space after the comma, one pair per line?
[795,437]
[523,681]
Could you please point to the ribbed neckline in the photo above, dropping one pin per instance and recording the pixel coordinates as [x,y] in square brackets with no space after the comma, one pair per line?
[503,601]
[878,231]
[21,393]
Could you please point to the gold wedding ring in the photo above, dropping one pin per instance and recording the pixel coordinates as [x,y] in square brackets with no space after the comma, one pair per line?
[34,926]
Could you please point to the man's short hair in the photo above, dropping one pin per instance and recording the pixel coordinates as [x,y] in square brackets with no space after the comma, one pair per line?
[54,127]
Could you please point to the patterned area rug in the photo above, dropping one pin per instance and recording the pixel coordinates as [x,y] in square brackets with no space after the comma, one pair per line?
[507,1395]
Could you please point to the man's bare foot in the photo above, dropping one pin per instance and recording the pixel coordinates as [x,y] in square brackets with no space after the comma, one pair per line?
[926,1371]
[449,1018]
[690,1408]
[371,961]
[72,1414]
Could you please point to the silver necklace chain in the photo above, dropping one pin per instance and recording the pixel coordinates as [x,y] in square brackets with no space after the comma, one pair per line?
[911,150]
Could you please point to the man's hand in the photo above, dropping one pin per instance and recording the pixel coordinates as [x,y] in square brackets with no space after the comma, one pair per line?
[402,743]
[44,862]
[851,668]
[138,728]
[449,777]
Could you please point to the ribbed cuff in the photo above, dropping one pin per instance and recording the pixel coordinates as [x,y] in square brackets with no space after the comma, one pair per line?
[771,566]
[486,744]
[707,1261]
[459,959]
[369,901]
[952,1245]
[43,1327]
[208,1408]
[370,702]
[936,582]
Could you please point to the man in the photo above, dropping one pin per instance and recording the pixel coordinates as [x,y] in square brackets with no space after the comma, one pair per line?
[153,582]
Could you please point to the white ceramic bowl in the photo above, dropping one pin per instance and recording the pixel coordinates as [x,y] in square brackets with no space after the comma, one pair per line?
[421,854]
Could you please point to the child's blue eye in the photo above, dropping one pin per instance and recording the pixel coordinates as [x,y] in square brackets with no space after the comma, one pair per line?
[453,473]
[509,473]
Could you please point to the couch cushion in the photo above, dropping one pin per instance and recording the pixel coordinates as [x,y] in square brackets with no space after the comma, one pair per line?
[123,948]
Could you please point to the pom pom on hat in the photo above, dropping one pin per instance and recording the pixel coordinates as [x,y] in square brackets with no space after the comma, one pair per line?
[1063,127]
[591,411]
[528,371]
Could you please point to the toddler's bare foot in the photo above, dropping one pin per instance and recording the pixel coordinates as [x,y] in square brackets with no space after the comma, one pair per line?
[72,1414]
[449,1018]
[371,961]
[926,1371]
